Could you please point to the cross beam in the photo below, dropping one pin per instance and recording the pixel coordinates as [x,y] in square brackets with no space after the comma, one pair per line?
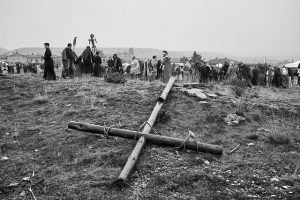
[151,138]
[144,135]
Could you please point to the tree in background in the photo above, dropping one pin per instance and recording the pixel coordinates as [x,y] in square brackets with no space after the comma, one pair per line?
[183,59]
[197,58]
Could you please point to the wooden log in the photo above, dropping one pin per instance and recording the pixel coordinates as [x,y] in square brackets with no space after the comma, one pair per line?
[151,138]
[167,89]
[132,160]
[196,85]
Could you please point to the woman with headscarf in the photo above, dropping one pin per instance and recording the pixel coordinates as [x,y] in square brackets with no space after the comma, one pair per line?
[166,68]
[49,73]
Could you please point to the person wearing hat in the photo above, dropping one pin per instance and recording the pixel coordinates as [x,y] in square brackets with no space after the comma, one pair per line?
[49,73]
[97,65]
[166,68]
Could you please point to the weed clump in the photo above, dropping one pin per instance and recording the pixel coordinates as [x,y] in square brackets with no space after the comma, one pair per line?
[40,100]
[280,139]
[70,113]
[238,91]
[239,85]
[115,78]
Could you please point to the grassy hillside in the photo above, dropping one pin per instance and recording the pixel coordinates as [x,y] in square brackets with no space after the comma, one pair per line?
[70,164]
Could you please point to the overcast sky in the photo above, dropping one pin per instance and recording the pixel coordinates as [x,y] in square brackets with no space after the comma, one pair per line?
[260,27]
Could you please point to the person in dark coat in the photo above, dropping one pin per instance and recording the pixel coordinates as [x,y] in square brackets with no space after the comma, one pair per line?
[110,64]
[18,66]
[49,73]
[117,64]
[88,59]
[68,59]
[255,76]
[277,79]
[97,65]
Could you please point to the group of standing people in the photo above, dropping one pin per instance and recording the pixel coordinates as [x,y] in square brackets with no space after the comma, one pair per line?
[90,64]
[151,69]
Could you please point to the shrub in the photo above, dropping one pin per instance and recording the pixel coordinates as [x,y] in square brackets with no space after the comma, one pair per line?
[234,81]
[256,117]
[115,78]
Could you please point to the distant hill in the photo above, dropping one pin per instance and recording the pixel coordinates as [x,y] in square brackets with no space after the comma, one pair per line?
[3,51]
[145,53]
[139,52]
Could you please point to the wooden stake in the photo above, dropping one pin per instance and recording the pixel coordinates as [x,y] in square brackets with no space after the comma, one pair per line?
[132,160]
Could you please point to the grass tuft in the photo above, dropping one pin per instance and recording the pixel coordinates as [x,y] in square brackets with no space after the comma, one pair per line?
[280,139]
[70,113]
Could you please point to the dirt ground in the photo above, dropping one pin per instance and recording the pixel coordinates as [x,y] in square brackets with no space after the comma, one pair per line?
[68,164]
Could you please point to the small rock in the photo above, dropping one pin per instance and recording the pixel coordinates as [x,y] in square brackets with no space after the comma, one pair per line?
[285,187]
[13,184]
[250,144]
[197,93]
[263,129]
[6,133]
[252,196]
[233,119]
[22,194]
[4,158]
[26,178]
[69,105]
[274,179]
[206,162]
[211,95]
[203,102]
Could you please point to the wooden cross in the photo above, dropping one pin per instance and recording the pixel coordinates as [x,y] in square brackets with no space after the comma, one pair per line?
[145,135]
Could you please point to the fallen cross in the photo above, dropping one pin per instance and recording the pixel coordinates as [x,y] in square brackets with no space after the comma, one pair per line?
[145,136]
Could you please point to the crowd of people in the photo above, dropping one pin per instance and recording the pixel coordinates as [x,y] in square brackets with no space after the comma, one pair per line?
[89,64]
[18,68]
[162,69]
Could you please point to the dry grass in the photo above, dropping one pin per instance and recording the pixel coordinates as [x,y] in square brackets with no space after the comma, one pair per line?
[73,165]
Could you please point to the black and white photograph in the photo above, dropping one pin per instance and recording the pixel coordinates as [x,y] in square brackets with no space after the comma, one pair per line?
[149,99]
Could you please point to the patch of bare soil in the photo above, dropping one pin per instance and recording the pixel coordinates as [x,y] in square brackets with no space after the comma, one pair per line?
[68,164]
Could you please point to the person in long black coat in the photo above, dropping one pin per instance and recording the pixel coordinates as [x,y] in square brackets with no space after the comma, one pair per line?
[49,73]
[97,65]
[88,59]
